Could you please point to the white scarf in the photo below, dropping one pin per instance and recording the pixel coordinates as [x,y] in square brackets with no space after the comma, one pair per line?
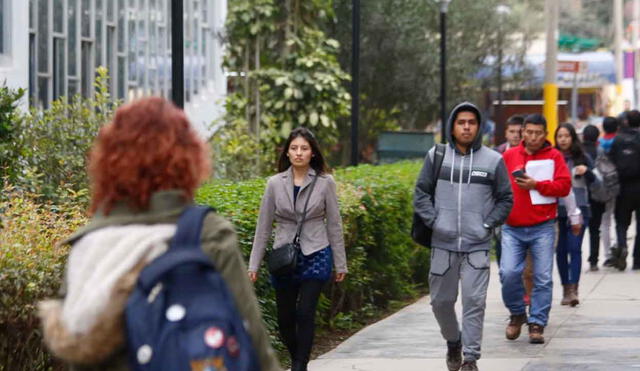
[98,260]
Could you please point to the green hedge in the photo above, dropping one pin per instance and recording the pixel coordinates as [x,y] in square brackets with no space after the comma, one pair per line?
[375,203]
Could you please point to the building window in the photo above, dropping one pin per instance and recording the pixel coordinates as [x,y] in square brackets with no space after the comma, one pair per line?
[69,39]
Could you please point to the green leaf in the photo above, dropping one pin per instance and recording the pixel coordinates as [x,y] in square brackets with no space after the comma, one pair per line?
[313,118]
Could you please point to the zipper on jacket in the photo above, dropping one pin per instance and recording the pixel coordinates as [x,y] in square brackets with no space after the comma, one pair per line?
[460,203]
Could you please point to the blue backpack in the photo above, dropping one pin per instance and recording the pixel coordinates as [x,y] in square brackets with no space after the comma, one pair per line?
[181,316]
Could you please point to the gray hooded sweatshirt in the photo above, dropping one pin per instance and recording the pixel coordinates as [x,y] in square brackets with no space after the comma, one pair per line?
[473,191]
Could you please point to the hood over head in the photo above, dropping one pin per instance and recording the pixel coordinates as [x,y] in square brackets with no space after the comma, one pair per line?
[465,106]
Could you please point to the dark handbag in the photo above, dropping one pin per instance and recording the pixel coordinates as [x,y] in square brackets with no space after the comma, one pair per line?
[420,233]
[282,261]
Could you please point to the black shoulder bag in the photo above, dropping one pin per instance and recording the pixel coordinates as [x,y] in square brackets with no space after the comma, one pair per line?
[282,261]
[420,233]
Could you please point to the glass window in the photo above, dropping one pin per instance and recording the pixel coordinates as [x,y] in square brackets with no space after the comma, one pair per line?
[43,91]
[110,10]
[58,68]
[33,73]
[133,70]
[72,88]
[121,26]
[110,55]
[43,37]
[205,11]
[58,16]
[32,13]
[86,18]
[121,77]
[98,25]
[86,70]
[73,37]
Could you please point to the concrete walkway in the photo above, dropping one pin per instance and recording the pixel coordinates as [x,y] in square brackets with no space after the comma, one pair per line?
[602,333]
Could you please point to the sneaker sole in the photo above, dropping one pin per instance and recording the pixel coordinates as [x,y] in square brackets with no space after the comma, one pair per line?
[536,341]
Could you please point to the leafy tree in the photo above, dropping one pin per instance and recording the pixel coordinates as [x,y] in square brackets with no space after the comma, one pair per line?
[400,51]
[290,77]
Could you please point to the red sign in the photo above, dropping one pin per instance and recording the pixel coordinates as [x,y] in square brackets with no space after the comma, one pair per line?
[571,66]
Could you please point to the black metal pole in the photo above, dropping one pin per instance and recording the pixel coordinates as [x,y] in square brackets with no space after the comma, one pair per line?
[500,124]
[177,52]
[355,81]
[443,75]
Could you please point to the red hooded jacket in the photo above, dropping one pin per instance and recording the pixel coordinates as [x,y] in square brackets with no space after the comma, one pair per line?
[524,213]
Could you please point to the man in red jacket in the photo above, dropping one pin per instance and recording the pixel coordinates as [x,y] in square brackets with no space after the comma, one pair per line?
[539,175]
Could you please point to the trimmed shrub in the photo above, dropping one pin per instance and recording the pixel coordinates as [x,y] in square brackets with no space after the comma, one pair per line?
[31,268]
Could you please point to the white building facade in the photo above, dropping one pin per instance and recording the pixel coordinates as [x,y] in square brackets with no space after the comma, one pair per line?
[53,47]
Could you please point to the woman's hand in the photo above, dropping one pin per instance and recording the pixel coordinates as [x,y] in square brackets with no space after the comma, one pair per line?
[580,170]
[253,276]
[340,277]
[576,229]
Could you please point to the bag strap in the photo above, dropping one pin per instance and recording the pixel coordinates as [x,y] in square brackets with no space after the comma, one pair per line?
[438,158]
[184,248]
[189,227]
[296,239]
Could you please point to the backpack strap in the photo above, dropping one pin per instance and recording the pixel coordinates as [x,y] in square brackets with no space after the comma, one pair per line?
[438,158]
[183,249]
[189,227]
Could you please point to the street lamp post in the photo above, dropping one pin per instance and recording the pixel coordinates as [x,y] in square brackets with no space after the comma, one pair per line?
[502,10]
[177,52]
[444,6]
[355,80]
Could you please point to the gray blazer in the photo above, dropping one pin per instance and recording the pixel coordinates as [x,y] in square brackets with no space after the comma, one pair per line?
[323,226]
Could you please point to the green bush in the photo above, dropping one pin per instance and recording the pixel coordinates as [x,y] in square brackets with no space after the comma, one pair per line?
[50,147]
[375,203]
[31,268]
[9,122]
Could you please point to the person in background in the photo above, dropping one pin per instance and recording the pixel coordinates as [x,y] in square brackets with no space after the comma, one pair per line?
[512,133]
[513,136]
[610,126]
[625,154]
[591,146]
[531,227]
[570,227]
[321,239]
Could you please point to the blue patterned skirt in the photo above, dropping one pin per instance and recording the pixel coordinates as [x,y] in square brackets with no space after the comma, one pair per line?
[316,266]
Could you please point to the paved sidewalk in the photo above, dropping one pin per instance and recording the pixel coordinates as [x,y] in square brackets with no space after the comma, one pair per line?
[602,333]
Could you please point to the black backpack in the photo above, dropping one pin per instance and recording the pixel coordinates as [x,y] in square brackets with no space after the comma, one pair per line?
[627,155]
[420,233]
[607,185]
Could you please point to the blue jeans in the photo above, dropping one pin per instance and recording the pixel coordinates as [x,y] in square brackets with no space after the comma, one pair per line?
[569,252]
[539,240]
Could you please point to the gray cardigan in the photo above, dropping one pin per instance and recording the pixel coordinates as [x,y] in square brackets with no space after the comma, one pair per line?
[323,226]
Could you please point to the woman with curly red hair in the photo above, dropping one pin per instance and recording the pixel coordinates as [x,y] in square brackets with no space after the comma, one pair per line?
[144,167]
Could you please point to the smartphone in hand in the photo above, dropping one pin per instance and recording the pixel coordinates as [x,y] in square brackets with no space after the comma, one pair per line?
[518,173]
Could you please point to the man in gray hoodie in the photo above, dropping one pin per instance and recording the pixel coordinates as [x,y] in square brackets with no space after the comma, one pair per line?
[472,196]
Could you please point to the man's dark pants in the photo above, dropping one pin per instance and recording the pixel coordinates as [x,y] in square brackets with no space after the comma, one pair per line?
[627,202]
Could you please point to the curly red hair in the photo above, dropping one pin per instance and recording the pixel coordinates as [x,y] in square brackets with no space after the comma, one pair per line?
[149,146]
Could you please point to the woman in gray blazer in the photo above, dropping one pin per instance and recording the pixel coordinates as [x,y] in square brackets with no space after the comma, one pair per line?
[321,240]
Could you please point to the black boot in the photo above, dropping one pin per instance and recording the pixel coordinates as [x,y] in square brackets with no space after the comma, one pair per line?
[454,355]
[620,255]
[297,365]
